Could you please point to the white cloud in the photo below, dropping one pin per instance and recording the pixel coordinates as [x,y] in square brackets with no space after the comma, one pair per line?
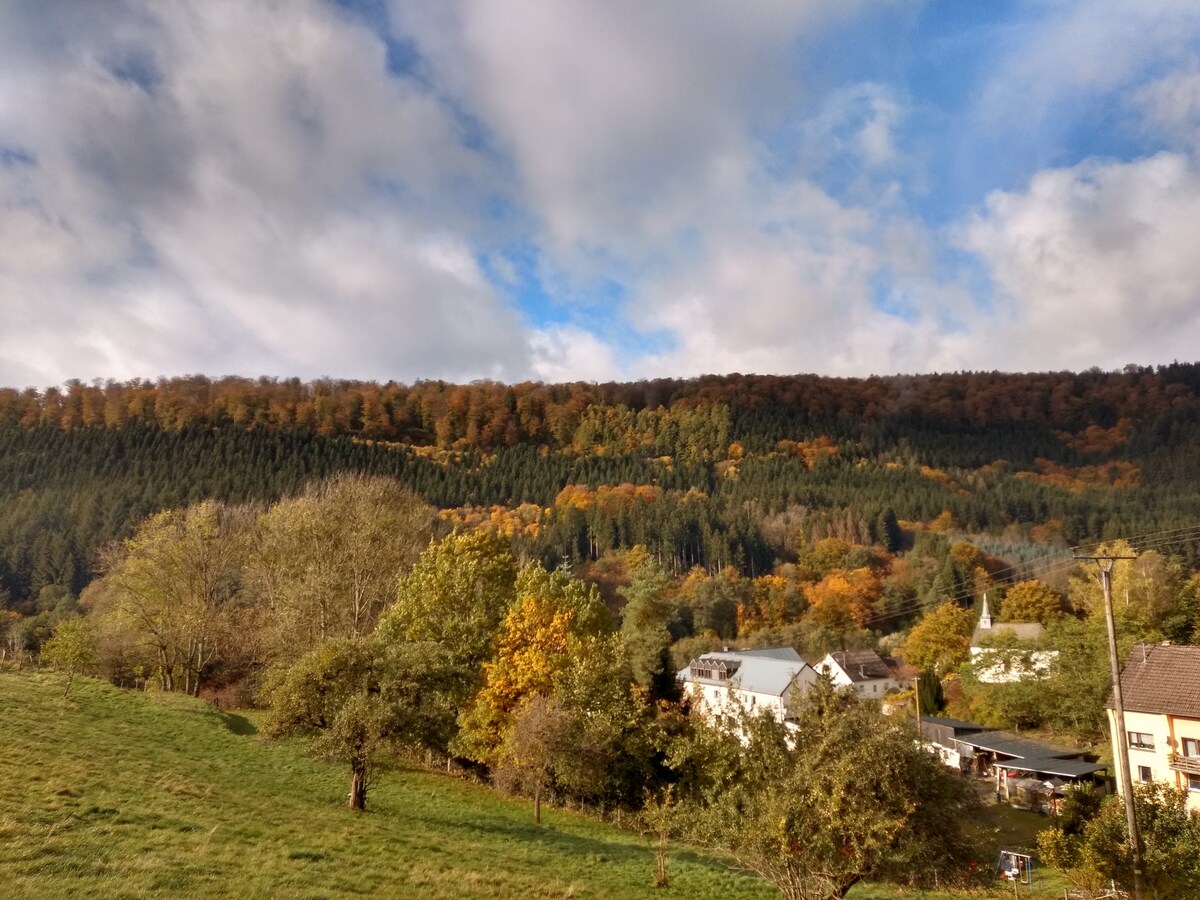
[1170,107]
[234,187]
[618,117]
[566,353]
[1096,264]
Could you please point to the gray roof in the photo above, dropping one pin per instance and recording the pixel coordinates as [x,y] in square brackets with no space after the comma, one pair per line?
[862,665]
[957,724]
[1162,678]
[1067,768]
[759,673]
[1024,631]
[788,653]
[1014,745]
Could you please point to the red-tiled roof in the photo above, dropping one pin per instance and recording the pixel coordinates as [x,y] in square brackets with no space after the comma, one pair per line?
[1162,678]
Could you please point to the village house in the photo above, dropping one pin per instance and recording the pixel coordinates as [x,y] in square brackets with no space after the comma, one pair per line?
[997,656]
[757,681]
[1160,687]
[864,671]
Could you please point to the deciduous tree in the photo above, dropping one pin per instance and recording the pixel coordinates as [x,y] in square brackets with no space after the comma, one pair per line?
[1031,601]
[327,562]
[845,795]
[71,649]
[355,695]
[1098,852]
[456,595]
[175,587]
[941,641]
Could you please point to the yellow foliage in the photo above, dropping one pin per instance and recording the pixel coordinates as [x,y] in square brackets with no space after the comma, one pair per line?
[844,597]
[1116,474]
[811,450]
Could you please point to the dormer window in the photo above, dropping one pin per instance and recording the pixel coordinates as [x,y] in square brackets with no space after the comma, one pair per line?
[710,668]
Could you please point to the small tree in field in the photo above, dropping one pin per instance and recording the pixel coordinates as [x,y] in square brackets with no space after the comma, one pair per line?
[353,696]
[72,648]
[539,733]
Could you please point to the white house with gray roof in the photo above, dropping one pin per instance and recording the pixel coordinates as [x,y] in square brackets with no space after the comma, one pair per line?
[758,681]
[863,671]
[1004,652]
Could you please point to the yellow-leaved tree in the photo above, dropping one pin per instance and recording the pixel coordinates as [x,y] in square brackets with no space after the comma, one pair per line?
[544,629]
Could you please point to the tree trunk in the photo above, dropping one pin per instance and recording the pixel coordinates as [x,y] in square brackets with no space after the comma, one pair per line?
[358,785]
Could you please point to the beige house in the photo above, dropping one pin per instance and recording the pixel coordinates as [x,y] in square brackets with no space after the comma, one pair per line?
[1160,686]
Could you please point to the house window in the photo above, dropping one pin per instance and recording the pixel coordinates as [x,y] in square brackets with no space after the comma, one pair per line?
[1191,747]
[1144,774]
[1194,783]
[1139,740]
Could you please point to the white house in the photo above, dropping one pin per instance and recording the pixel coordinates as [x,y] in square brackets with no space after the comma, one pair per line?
[995,661]
[1160,688]
[754,680]
[864,671]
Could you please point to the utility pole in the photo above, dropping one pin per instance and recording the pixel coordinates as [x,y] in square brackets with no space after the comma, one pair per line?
[917,700]
[1121,739]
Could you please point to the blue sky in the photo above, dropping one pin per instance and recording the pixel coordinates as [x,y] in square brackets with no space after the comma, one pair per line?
[515,189]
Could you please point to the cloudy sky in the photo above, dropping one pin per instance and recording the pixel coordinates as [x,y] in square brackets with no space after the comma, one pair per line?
[568,190]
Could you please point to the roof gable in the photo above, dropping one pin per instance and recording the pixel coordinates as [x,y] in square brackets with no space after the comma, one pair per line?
[861,665]
[1024,631]
[1161,678]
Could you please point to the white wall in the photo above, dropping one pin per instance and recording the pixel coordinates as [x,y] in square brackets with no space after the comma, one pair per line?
[995,665]
[712,699]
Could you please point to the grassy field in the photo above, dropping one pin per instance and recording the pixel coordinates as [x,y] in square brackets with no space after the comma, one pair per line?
[116,794]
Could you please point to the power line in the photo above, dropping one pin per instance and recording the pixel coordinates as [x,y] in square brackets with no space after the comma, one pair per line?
[1054,563]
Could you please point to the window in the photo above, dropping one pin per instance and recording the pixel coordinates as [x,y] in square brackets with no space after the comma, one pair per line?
[1139,740]
[1191,747]
[1144,774]
[1194,783]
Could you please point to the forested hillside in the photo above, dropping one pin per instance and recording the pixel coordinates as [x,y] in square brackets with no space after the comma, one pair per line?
[716,472]
[511,577]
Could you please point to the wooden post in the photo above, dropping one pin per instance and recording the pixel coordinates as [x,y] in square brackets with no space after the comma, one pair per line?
[917,700]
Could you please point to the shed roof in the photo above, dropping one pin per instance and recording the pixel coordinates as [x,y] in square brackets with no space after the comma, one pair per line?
[1161,678]
[1014,745]
[958,725]
[1045,765]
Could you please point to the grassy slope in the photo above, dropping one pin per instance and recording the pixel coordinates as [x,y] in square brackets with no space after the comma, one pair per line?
[127,795]
[118,794]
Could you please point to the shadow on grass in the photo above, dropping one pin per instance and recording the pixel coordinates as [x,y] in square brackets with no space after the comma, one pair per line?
[596,849]
[238,724]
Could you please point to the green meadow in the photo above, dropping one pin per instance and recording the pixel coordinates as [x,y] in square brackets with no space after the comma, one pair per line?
[110,793]
[116,794]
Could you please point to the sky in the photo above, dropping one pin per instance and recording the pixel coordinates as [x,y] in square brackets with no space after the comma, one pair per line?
[600,190]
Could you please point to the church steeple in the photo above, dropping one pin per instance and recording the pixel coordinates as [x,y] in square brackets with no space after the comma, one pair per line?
[985,618]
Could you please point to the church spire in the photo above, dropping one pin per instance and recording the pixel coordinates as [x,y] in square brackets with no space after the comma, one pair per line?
[985,618]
